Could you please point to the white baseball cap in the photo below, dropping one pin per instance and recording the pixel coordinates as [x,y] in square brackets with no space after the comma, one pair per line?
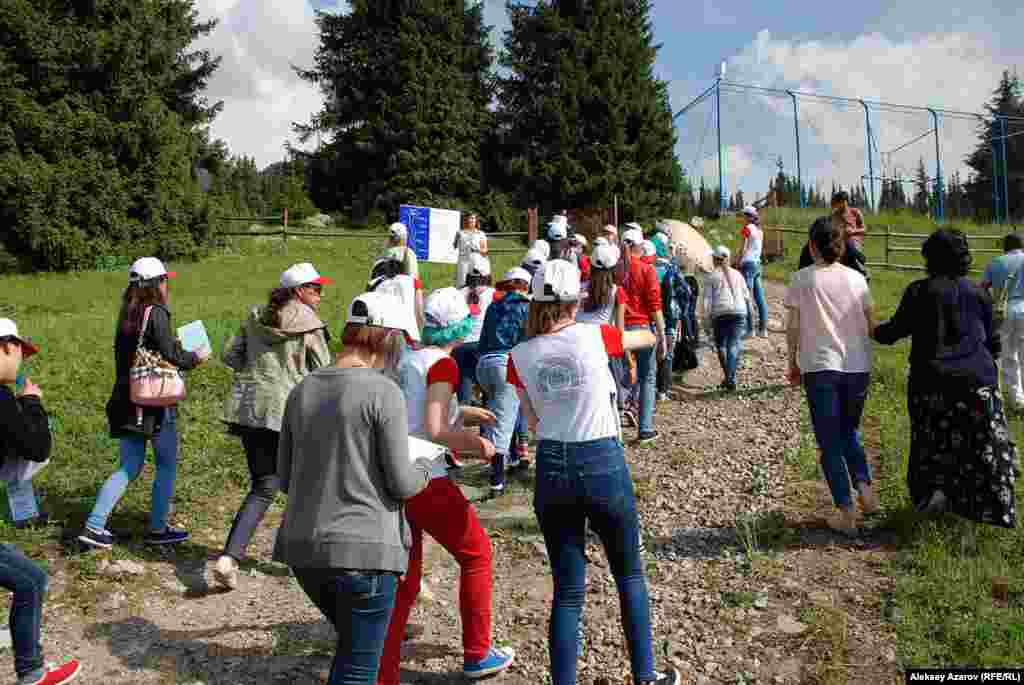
[633,237]
[635,226]
[383,310]
[148,268]
[517,274]
[600,240]
[558,281]
[479,265]
[541,246]
[648,248]
[558,230]
[398,230]
[605,256]
[534,258]
[721,252]
[444,307]
[9,332]
[300,274]
[579,239]
[751,211]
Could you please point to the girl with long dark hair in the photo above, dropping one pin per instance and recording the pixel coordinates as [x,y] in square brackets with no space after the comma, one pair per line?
[132,425]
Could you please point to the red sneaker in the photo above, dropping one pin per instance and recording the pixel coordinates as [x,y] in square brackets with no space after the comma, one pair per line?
[58,675]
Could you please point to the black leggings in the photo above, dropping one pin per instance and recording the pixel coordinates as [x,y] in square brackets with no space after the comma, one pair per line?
[260,446]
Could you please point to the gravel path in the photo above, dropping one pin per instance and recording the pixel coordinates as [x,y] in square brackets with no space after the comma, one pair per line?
[746,585]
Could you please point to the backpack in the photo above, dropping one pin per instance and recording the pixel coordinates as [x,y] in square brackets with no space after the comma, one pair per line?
[670,304]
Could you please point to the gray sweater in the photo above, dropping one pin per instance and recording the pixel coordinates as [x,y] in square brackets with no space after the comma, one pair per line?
[344,460]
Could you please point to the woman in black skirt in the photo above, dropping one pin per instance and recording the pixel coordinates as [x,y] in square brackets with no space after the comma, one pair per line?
[962,458]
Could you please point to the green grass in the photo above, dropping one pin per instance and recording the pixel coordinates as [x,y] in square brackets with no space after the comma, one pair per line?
[72,317]
[943,586]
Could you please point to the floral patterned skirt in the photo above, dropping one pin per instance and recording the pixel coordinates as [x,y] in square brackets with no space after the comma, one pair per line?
[960,444]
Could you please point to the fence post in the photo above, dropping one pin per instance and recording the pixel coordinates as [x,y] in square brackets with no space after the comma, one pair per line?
[284,229]
[888,230]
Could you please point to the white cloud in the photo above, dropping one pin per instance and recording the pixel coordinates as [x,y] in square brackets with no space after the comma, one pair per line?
[260,41]
[955,71]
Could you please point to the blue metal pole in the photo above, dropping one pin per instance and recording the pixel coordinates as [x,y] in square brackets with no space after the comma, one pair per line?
[940,200]
[722,203]
[799,170]
[871,163]
[1006,169]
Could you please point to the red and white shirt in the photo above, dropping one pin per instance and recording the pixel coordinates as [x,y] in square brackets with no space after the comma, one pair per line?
[567,379]
[418,370]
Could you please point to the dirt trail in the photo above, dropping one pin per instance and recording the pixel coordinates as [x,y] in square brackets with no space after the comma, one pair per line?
[746,584]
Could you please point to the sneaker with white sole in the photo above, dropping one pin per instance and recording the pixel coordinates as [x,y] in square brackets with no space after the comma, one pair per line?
[167,536]
[56,675]
[670,678]
[226,572]
[496,661]
[100,539]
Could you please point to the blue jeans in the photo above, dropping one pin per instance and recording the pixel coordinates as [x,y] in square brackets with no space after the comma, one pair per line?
[27,581]
[502,399]
[133,456]
[836,402]
[358,604]
[646,377]
[467,357]
[579,483]
[728,343]
[752,273]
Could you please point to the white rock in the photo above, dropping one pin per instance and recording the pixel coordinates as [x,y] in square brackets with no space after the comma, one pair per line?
[789,625]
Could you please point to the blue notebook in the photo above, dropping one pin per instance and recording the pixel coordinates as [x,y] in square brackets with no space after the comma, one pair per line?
[193,336]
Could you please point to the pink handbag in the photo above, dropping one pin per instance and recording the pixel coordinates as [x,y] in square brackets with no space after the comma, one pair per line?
[152,380]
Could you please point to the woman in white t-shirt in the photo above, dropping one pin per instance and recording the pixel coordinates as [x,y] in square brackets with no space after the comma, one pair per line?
[750,267]
[479,294]
[429,377]
[469,241]
[831,317]
[562,377]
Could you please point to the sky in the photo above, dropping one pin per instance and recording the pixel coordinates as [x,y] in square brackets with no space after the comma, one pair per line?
[917,52]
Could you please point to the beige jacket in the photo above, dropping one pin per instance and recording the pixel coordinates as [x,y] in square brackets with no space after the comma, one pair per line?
[269,362]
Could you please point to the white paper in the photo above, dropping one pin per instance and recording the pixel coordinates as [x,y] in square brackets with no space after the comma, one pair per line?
[444,224]
[193,336]
[423,449]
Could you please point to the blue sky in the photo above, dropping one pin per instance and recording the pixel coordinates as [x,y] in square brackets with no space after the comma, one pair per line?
[915,52]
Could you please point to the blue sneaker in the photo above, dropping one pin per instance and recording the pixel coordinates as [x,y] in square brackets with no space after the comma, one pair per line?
[496,661]
[168,536]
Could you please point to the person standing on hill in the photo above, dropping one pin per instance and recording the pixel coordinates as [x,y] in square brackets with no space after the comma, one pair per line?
[25,434]
[750,267]
[1007,271]
[144,322]
[830,318]
[469,241]
[276,347]
[398,248]
[643,311]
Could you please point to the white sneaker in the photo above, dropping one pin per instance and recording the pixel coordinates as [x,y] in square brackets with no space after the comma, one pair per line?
[226,572]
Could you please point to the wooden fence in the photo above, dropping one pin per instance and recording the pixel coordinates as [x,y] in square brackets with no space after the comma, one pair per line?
[774,244]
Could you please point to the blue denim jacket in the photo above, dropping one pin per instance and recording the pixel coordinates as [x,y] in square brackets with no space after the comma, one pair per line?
[675,294]
[504,324]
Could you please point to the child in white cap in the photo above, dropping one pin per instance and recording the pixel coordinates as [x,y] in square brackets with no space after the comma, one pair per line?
[25,435]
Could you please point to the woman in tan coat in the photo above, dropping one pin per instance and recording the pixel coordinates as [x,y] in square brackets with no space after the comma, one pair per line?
[276,347]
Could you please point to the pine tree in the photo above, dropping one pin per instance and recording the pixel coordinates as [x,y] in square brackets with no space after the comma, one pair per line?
[582,116]
[406,87]
[922,193]
[100,126]
[1007,100]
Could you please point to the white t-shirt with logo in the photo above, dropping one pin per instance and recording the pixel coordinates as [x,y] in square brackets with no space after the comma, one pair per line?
[418,370]
[567,379]
[754,243]
[833,326]
[478,311]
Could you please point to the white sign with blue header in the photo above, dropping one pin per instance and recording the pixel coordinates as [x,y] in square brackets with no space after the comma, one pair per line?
[431,232]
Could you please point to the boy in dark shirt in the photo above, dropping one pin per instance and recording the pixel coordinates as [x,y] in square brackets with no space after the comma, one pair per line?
[25,433]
